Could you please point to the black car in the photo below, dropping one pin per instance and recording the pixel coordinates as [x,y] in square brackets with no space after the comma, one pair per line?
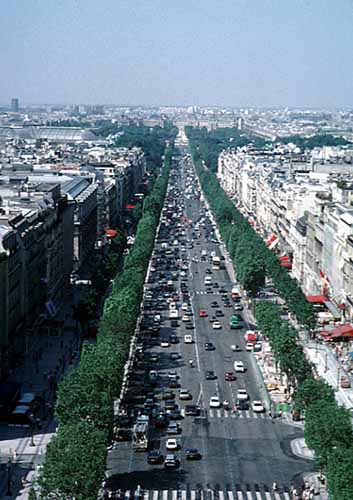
[242,405]
[154,457]
[193,454]
[173,339]
[192,410]
[190,326]
[210,375]
[174,323]
[175,415]
[219,313]
[214,304]
[209,346]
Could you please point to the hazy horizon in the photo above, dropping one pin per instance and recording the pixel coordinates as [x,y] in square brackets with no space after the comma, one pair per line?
[232,53]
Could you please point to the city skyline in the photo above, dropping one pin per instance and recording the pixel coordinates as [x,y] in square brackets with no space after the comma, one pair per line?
[133,53]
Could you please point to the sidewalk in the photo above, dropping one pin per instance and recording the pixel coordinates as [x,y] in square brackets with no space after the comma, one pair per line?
[48,358]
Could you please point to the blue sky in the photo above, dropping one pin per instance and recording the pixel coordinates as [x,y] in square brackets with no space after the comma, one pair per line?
[188,52]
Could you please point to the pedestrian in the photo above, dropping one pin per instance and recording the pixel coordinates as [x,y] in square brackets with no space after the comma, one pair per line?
[274,487]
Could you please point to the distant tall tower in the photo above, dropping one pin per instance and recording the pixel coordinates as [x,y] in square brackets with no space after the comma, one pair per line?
[15,105]
[240,123]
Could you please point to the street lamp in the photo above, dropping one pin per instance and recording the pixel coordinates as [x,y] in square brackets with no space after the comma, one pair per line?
[9,470]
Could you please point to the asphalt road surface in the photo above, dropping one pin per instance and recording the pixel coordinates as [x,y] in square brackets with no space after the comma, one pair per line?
[243,452]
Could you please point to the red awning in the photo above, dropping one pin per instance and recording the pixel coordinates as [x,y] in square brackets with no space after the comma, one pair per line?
[317,299]
[284,258]
[111,233]
[341,331]
[129,206]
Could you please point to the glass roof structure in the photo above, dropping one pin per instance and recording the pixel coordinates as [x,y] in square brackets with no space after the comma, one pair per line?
[51,134]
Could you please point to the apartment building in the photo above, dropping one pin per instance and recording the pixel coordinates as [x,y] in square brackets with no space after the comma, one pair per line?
[303,210]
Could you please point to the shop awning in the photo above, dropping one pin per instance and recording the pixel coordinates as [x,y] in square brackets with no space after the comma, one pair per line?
[272,241]
[111,233]
[129,206]
[334,310]
[317,299]
[339,332]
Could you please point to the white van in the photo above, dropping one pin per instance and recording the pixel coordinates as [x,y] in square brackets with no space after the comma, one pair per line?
[173,314]
[207,281]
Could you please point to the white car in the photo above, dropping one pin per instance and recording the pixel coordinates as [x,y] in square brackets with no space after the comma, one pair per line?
[239,367]
[216,325]
[242,395]
[188,339]
[172,305]
[215,402]
[165,343]
[185,318]
[249,346]
[184,306]
[257,406]
[171,444]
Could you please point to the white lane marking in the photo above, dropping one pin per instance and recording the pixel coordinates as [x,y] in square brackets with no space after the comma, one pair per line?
[249,495]
[192,495]
[221,495]
[155,495]
[210,412]
[230,495]
[183,495]
[165,494]
[219,413]
[258,496]
[267,495]
[226,413]
[174,495]
[240,495]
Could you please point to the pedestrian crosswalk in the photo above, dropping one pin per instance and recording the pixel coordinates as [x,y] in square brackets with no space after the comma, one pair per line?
[221,413]
[246,492]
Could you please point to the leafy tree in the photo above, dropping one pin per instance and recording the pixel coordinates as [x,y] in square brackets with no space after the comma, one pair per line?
[327,426]
[74,464]
[339,474]
[311,391]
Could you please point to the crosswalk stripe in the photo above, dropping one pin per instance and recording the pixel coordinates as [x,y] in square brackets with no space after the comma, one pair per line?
[220,495]
[240,495]
[247,413]
[165,494]
[258,495]
[209,494]
[174,495]
[183,495]
[249,495]
[155,495]
[127,494]
[267,495]
[219,414]
[277,496]
[145,495]
[192,495]
[286,495]
[226,413]
[230,495]
[210,413]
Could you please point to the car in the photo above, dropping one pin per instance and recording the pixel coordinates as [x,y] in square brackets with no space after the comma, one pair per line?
[216,325]
[171,444]
[173,383]
[257,347]
[242,395]
[154,457]
[192,410]
[122,435]
[186,318]
[209,346]
[229,376]
[170,404]
[215,285]
[193,454]
[165,343]
[227,304]
[185,394]
[233,322]
[238,307]
[203,313]
[173,339]
[188,312]
[188,339]
[174,323]
[257,406]
[175,356]
[219,313]
[166,395]
[184,306]
[249,346]
[212,319]
[214,304]
[173,428]
[190,326]
[175,415]
[242,405]
[210,375]
[239,367]
[171,461]
[215,402]
[236,348]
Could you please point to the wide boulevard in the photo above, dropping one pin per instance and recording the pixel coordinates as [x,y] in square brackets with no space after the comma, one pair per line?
[242,452]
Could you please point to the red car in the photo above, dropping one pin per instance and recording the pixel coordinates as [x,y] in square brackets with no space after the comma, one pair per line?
[230,376]
[203,313]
